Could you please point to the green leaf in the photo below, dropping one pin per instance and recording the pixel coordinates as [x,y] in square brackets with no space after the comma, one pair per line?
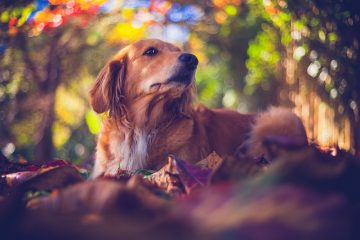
[93,122]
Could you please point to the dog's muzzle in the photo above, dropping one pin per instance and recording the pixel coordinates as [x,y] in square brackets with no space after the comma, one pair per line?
[185,72]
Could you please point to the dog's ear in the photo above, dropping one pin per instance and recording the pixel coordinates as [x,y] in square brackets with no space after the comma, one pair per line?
[108,90]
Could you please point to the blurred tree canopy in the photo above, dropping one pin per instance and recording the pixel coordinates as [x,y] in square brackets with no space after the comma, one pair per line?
[253,54]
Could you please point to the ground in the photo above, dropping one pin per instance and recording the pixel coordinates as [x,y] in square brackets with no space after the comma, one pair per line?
[303,193]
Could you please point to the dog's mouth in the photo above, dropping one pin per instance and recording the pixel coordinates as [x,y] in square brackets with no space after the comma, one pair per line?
[183,76]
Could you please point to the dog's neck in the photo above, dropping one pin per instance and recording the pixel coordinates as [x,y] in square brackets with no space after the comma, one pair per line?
[145,121]
[153,113]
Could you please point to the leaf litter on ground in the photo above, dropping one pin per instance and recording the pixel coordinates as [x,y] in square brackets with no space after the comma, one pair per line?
[303,193]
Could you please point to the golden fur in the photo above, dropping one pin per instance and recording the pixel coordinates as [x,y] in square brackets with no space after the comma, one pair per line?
[150,115]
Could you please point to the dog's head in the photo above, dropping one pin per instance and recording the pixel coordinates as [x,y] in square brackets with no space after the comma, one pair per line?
[144,71]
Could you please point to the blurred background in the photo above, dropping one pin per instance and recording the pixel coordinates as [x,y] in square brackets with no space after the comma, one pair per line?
[302,54]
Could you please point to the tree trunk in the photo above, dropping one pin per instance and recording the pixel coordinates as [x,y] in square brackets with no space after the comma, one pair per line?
[47,89]
[44,147]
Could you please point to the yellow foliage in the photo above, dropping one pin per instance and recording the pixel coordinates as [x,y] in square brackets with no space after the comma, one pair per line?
[196,46]
[69,107]
[61,134]
[128,13]
[93,121]
[84,4]
[25,15]
[126,33]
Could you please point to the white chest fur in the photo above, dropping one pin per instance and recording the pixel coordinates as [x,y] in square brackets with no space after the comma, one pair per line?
[130,153]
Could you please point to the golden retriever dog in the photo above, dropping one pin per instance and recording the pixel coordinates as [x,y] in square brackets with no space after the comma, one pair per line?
[147,90]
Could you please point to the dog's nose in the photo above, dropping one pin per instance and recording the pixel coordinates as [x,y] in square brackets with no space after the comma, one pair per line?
[190,60]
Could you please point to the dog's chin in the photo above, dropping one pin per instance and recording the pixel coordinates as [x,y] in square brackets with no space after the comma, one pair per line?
[175,84]
[184,78]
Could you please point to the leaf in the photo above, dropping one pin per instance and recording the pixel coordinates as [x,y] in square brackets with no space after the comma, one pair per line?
[192,176]
[179,177]
[56,173]
[213,161]
[14,179]
[125,32]
[54,178]
[167,178]
[93,122]
[144,172]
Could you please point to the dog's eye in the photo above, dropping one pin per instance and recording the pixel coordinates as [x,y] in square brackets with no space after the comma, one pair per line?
[151,51]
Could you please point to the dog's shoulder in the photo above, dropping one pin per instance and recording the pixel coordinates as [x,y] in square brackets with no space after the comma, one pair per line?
[221,116]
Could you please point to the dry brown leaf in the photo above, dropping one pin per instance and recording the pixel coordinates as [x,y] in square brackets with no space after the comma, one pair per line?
[167,178]
[212,161]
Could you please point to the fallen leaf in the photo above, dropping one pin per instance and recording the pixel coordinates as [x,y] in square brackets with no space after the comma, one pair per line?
[213,161]
[179,177]
[167,178]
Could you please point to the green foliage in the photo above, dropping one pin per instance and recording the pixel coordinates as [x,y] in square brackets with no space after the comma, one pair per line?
[263,59]
[93,122]
[210,81]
